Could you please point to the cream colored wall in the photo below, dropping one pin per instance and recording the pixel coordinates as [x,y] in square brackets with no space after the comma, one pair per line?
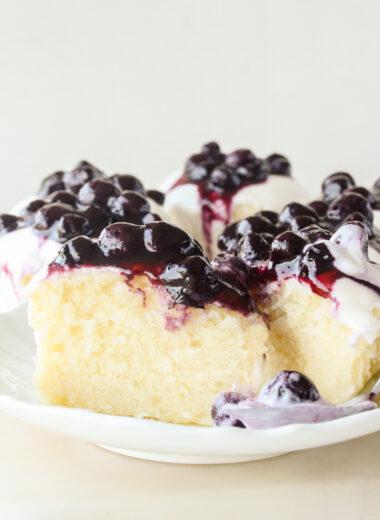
[138,85]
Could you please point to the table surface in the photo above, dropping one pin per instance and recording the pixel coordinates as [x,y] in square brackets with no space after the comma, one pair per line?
[45,475]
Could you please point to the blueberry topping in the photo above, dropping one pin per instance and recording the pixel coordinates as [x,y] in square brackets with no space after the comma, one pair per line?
[334,185]
[7,222]
[127,182]
[243,157]
[314,232]
[320,207]
[130,206]
[169,242]
[65,197]
[53,182]
[190,282]
[348,203]
[295,209]
[232,272]
[71,225]
[272,216]
[48,215]
[78,251]
[157,196]
[364,193]
[289,387]
[286,247]
[234,232]
[302,221]
[82,173]
[99,192]
[316,260]
[253,247]
[359,217]
[224,178]
[278,164]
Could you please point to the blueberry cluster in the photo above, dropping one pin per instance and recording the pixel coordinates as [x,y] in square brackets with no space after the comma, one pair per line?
[82,202]
[220,172]
[278,239]
[163,251]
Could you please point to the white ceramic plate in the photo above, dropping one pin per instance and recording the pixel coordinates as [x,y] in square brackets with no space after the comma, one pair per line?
[146,438]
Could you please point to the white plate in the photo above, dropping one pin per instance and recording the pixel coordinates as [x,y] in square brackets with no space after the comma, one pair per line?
[146,438]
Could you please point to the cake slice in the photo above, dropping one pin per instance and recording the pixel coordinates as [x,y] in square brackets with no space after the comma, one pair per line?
[310,272]
[139,323]
[216,189]
[78,202]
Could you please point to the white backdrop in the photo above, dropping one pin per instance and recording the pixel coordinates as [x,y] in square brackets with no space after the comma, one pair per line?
[136,86]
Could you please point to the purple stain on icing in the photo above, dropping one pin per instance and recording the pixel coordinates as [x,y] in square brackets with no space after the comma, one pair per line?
[289,398]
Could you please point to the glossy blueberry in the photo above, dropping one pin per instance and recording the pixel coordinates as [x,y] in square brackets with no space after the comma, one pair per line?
[232,272]
[278,164]
[63,196]
[211,149]
[272,216]
[169,242]
[234,232]
[313,233]
[99,192]
[199,166]
[240,157]
[48,215]
[78,251]
[316,260]
[157,196]
[97,218]
[287,388]
[71,225]
[130,206]
[295,209]
[7,222]
[334,185]
[150,217]
[302,221]
[120,239]
[27,213]
[82,173]
[127,182]
[224,178]
[191,281]
[286,247]
[253,247]
[364,193]
[320,207]
[51,183]
[348,203]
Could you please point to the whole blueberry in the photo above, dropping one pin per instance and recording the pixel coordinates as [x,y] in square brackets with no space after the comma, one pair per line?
[314,232]
[130,206]
[232,272]
[240,157]
[272,216]
[334,185]
[63,196]
[99,192]
[49,214]
[224,178]
[316,260]
[191,281]
[364,193]
[127,182]
[348,203]
[51,183]
[97,219]
[157,196]
[320,207]
[211,149]
[27,213]
[121,239]
[288,388]
[82,173]
[234,232]
[302,221]
[295,209]
[7,222]
[278,164]
[169,243]
[252,248]
[78,251]
[286,247]
[71,225]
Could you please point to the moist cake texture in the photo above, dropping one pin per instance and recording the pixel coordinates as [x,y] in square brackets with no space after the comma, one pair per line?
[129,325]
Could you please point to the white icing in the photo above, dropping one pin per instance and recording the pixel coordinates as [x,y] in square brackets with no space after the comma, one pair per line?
[22,254]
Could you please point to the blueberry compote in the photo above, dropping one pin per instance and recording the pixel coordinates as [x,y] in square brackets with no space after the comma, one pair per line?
[219,176]
[168,256]
[83,201]
[295,242]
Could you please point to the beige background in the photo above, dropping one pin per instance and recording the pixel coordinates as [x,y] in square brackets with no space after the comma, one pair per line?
[137,86]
